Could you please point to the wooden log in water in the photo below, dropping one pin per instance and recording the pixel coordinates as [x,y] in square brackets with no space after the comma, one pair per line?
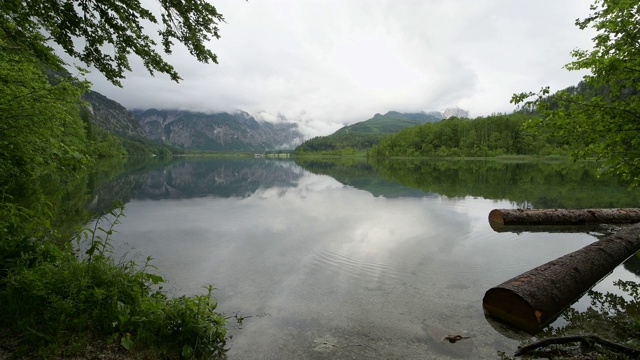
[582,228]
[535,298]
[564,216]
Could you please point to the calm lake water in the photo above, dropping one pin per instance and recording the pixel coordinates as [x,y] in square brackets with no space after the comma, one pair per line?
[344,259]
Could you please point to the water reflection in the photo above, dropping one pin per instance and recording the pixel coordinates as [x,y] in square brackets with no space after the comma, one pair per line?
[354,263]
[537,184]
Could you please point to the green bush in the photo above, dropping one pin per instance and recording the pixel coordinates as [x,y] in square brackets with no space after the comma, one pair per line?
[56,296]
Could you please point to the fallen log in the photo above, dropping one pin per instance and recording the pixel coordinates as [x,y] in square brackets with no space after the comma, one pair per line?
[582,228]
[564,216]
[534,299]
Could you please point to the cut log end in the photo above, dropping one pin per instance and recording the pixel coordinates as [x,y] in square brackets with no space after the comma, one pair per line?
[509,307]
[535,298]
[496,216]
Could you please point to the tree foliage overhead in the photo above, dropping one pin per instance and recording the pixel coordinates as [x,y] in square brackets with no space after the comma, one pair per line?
[45,128]
[602,120]
[103,33]
[40,124]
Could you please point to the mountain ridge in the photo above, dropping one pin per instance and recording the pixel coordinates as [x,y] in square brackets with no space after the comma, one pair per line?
[363,135]
[109,115]
[191,130]
[223,131]
[240,131]
[391,122]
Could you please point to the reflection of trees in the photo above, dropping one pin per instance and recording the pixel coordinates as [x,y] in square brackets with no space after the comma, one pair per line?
[76,198]
[610,316]
[357,172]
[633,264]
[534,184]
[539,184]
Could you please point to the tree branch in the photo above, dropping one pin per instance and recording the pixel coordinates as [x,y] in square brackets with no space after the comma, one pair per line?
[571,101]
[585,339]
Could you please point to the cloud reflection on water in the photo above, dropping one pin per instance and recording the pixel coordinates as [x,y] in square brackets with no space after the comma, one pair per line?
[319,257]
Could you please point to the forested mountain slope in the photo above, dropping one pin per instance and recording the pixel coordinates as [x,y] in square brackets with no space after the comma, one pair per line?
[391,122]
[365,134]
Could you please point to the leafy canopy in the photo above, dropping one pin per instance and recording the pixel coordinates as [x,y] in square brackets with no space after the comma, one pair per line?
[600,117]
[103,33]
[40,125]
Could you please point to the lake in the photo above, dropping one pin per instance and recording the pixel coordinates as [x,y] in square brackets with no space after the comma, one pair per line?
[334,259]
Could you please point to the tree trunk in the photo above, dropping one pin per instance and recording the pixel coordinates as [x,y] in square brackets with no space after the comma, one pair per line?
[535,298]
[564,216]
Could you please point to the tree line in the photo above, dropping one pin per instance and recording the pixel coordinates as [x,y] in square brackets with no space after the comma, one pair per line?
[493,135]
[339,143]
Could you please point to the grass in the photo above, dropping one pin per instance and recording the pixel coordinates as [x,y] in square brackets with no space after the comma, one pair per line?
[58,298]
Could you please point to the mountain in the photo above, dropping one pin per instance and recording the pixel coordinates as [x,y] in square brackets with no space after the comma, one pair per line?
[111,116]
[455,112]
[391,122]
[218,132]
[365,134]
[114,130]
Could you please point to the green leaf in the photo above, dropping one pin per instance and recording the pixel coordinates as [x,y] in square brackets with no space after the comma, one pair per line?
[126,341]
[187,352]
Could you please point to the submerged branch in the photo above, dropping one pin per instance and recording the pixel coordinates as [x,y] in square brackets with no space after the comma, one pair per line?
[585,339]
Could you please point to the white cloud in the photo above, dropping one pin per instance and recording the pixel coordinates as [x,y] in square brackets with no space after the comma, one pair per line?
[328,63]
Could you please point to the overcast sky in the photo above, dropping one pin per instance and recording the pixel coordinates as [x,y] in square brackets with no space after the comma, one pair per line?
[328,63]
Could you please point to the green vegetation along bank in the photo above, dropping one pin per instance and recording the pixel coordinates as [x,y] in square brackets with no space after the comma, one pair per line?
[57,297]
[61,292]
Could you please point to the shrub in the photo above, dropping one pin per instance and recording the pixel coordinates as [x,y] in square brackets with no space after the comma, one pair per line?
[55,296]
